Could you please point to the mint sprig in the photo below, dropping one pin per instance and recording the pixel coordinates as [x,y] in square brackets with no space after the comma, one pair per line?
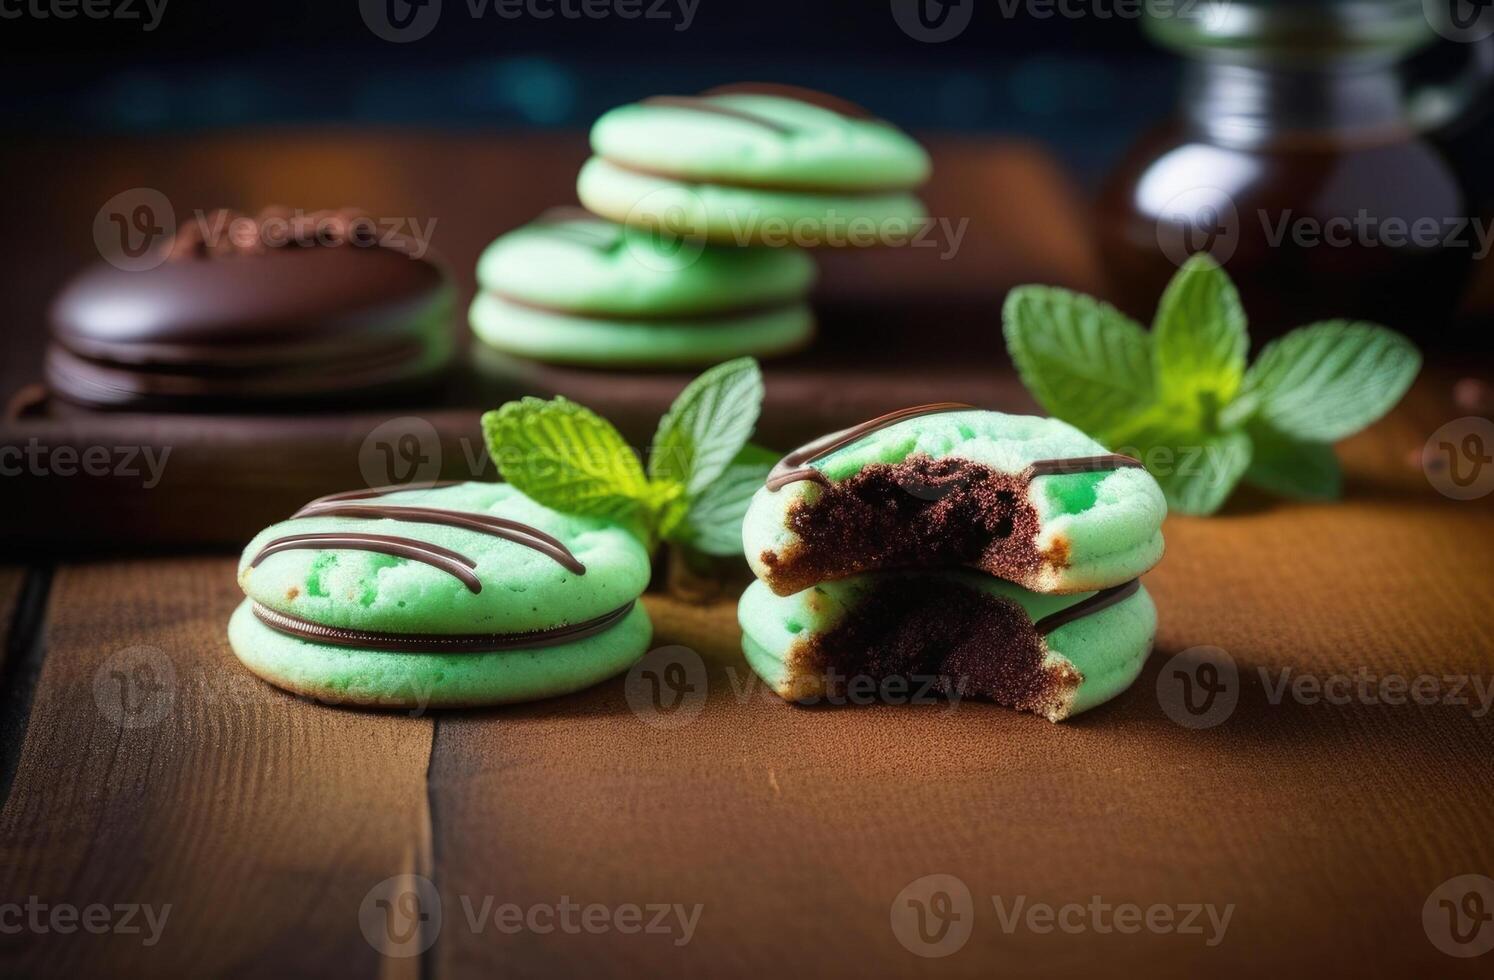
[1182,399]
[701,472]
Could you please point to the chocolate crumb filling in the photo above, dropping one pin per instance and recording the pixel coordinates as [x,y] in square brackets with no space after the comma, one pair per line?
[945,638]
[919,513]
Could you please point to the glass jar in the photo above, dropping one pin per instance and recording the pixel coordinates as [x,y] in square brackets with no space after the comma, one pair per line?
[1298,160]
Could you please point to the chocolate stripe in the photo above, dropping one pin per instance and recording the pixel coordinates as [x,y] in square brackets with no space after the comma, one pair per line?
[726,317]
[695,103]
[437,642]
[1080,464]
[457,565]
[787,186]
[499,527]
[794,467]
[372,492]
[809,96]
[1103,599]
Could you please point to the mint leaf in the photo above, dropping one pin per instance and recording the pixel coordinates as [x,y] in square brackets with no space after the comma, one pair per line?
[566,457]
[1199,340]
[1083,360]
[1197,471]
[1292,467]
[713,523]
[707,425]
[1206,473]
[1328,380]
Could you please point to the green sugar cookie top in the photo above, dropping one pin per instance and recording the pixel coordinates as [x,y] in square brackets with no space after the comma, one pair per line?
[1005,443]
[572,262]
[522,567]
[761,139]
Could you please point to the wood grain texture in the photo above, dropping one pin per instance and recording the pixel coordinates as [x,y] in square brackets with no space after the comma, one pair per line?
[261,819]
[1325,825]
[12,579]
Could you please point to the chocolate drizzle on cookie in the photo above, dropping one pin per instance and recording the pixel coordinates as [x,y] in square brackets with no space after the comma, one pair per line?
[697,103]
[809,96]
[794,467]
[451,562]
[1103,599]
[582,227]
[437,642]
[345,505]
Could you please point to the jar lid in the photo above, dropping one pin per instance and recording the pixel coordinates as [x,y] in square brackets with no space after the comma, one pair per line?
[1288,31]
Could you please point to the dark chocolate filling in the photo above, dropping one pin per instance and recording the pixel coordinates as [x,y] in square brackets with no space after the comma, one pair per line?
[920,513]
[727,317]
[304,629]
[945,638]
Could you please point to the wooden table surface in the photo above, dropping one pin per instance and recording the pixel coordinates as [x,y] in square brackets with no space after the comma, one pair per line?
[684,821]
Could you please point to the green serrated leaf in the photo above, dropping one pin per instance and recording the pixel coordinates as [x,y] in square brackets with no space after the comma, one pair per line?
[1197,471]
[1292,467]
[566,457]
[1083,360]
[1328,380]
[713,523]
[1199,340]
[707,425]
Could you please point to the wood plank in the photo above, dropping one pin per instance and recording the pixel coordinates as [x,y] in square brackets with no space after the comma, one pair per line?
[12,580]
[1326,826]
[261,819]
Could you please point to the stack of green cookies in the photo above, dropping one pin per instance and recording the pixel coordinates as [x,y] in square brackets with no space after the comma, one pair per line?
[699,210]
[984,554]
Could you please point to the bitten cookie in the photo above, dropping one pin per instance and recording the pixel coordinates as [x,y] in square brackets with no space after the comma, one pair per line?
[953,633]
[288,308]
[455,595]
[1031,500]
[755,164]
[577,289]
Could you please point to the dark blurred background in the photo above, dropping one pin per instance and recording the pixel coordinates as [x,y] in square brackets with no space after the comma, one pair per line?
[1085,86]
